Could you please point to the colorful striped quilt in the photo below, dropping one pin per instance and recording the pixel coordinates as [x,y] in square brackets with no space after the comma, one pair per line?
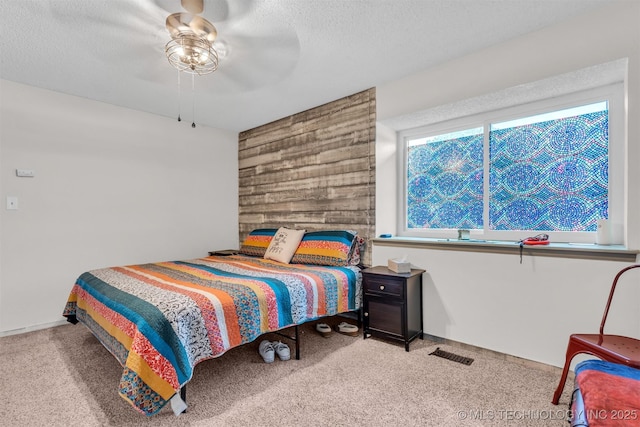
[161,319]
[610,394]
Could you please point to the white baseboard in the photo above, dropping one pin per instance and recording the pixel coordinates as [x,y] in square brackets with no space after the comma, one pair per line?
[32,328]
[505,356]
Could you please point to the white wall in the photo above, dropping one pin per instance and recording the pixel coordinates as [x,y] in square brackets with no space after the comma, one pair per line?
[491,300]
[113,186]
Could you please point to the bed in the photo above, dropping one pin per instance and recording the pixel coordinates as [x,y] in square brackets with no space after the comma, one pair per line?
[159,320]
[605,394]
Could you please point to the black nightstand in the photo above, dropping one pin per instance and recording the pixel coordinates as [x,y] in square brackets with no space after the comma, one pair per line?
[392,304]
[224,252]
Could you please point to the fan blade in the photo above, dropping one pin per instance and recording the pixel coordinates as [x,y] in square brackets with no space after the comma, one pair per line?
[178,23]
[134,37]
[193,6]
[219,11]
[216,11]
[250,62]
[135,19]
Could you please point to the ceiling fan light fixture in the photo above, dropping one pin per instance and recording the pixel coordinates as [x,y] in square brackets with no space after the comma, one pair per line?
[191,46]
[192,54]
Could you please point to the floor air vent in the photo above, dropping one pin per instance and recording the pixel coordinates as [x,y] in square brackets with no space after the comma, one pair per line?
[451,356]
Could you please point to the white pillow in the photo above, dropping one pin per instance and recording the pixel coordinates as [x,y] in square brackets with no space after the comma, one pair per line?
[284,244]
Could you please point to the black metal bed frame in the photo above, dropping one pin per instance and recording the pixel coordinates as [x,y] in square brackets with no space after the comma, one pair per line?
[295,338]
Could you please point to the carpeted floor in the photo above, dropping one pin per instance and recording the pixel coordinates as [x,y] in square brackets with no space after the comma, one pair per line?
[64,376]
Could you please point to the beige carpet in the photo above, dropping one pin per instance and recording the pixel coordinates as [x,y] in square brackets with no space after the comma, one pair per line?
[63,376]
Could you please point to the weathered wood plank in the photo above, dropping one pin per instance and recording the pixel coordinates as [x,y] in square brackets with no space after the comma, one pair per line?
[347,204]
[318,119]
[330,181]
[283,161]
[305,171]
[318,195]
[313,141]
[333,107]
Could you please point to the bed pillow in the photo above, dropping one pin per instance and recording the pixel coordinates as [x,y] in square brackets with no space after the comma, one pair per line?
[257,242]
[355,257]
[329,247]
[284,244]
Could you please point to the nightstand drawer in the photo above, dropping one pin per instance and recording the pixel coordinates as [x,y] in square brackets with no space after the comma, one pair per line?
[384,286]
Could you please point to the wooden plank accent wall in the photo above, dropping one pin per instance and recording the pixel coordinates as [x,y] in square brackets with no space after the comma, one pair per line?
[314,170]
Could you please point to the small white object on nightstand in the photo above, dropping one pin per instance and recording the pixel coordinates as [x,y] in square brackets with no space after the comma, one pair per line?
[399,265]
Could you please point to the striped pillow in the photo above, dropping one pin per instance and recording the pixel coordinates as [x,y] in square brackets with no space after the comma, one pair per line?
[331,247]
[257,242]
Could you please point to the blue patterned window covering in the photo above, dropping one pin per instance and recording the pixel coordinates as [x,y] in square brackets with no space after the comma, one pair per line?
[445,181]
[546,172]
[551,174]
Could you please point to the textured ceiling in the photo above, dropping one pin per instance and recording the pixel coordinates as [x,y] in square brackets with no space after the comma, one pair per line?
[279,57]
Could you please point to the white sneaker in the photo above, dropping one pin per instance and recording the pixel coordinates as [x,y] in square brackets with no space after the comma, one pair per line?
[267,351]
[282,350]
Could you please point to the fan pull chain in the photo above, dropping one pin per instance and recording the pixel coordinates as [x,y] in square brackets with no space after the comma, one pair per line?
[193,101]
[179,98]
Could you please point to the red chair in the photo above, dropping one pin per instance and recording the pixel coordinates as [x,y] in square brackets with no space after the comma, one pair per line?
[612,348]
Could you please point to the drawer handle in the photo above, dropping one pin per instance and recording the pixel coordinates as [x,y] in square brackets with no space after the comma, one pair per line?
[366,314]
[382,287]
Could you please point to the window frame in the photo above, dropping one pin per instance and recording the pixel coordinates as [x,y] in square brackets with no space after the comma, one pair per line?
[612,93]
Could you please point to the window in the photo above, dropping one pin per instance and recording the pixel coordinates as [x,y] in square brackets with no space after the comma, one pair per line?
[507,174]
[445,180]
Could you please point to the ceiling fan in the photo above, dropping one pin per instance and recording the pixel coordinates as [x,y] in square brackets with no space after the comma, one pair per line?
[249,51]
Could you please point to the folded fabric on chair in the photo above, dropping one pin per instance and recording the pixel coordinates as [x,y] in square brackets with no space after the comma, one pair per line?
[611,393]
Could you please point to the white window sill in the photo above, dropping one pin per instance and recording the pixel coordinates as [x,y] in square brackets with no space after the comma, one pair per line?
[563,250]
